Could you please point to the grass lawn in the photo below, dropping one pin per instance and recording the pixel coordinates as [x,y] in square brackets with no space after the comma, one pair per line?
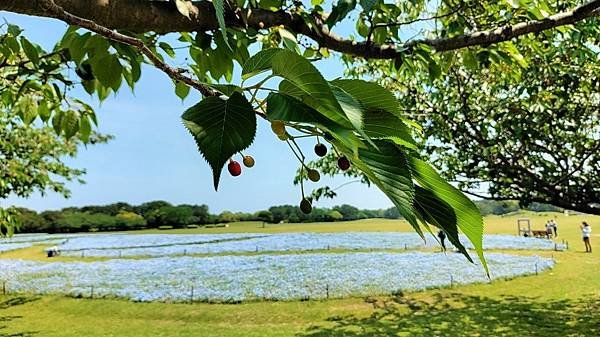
[562,302]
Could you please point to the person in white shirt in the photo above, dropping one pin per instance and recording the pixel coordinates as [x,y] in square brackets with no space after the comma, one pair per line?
[548,230]
[586,232]
[554,227]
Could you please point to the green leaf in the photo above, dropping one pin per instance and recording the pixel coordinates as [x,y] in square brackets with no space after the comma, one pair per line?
[259,62]
[182,90]
[107,70]
[287,108]
[388,169]
[70,123]
[305,82]
[468,217]
[469,60]
[221,128]
[383,125]
[167,48]
[31,51]
[339,11]
[439,213]
[368,5]
[372,96]
[85,129]
[289,40]
[353,111]
[434,70]
[220,11]
[44,111]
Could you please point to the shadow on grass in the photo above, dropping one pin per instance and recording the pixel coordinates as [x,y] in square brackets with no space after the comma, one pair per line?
[5,320]
[461,315]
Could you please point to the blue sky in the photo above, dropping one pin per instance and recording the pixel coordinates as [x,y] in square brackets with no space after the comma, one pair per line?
[153,157]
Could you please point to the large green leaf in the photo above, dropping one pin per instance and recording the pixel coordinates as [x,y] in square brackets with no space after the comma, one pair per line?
[372,96]
[220,12]
[439,213]
[468,217]
[304,82]
[108,70]
[388,169]
[287,108]
[353,110]
[259,62]
[383,125]
[221,128]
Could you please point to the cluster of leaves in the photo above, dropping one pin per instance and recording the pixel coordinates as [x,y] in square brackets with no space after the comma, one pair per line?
[515,122]
[361,120]
[39,123]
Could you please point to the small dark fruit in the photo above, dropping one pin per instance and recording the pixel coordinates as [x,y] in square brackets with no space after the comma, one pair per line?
[248,161]
[314,175]
[278,128]
[234,168]
[305,206]
[321,150]
[343,163]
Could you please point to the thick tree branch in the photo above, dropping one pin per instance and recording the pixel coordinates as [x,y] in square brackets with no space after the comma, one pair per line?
[162,17]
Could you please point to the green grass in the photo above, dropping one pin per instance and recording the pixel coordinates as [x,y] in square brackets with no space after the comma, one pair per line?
[562,302]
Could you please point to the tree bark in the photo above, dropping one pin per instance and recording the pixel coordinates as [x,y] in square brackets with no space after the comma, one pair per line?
[162,17]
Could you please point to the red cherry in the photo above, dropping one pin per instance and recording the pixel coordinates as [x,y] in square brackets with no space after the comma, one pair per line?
[343,163]
[234,168]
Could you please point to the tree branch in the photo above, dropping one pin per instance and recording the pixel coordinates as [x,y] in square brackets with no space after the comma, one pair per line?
[162,17]
[58,12]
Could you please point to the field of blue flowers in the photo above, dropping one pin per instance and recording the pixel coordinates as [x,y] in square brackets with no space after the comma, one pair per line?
[125,245]
[163,274]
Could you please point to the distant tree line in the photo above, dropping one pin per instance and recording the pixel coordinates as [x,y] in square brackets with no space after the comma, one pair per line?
[122,216]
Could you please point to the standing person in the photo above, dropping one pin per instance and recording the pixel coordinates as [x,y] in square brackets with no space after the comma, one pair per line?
[554,227]
[548,230]
[586,232]
[442,237]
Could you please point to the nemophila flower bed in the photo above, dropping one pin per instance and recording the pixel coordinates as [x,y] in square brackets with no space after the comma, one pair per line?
[116,245]
[7,247]
[260,277]
[36,238]
[125,241]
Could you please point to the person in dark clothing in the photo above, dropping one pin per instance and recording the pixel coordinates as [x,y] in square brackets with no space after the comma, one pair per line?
[442,237]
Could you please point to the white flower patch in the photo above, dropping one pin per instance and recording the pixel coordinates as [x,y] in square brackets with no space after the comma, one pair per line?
[122,245]
[271,277]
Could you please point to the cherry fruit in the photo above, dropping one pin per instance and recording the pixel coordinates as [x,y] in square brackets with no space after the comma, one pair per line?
[248,161]
[313,175]
[234,168]
[343,163]
[305,206]
[278,128]
[321,150]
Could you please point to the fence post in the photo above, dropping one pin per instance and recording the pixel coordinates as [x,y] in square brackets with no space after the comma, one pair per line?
[3,287]
[92,292]
[451,281]
[184,252]
[192,294]
[405,246]
[536,268]
[327,290]
[257,248]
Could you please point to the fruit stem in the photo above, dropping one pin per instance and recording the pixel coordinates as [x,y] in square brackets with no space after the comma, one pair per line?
[302,180]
